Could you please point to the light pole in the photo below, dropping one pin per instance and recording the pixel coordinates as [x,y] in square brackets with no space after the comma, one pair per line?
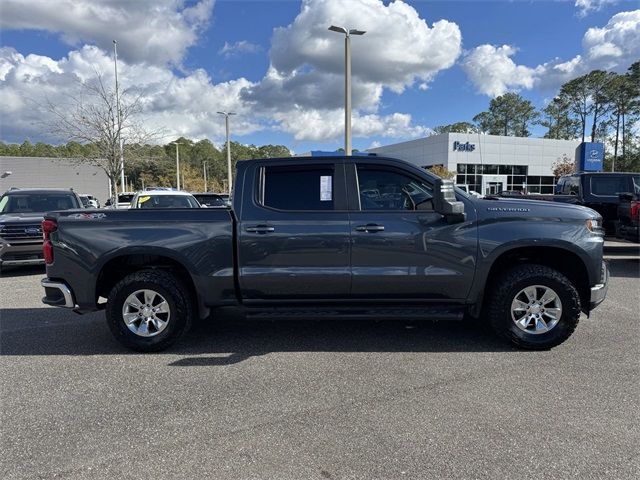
[118,113]
[347,82]
[176,143]
[226,124]
[204,174]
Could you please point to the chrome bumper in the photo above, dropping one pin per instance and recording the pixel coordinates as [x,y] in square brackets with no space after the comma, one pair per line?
[57,294]
[599,292]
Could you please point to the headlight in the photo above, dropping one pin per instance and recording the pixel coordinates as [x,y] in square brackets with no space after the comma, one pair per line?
[593,225]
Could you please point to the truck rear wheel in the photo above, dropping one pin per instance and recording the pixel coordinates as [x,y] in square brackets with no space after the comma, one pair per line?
[534,307]
[148,310]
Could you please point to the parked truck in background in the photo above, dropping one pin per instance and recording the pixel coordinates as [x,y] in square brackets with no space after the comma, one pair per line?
[356,237]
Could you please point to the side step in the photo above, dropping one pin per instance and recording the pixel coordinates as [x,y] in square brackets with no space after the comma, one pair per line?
[448,312]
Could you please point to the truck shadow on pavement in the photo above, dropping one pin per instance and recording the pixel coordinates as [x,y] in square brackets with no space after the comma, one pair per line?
[46,331]
[227,341]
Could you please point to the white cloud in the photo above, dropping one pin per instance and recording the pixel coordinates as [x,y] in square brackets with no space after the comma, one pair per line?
[304,86]
[300,94]
[493,71]
[585,7]
[238,48]
[612,47]
[178,105]
[155,32]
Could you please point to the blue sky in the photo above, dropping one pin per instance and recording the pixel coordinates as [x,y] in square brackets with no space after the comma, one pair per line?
[408,76]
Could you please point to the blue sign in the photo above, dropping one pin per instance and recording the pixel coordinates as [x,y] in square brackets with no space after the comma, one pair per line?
[463,147]
[590,157]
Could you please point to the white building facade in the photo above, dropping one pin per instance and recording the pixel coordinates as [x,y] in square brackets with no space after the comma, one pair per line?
[488,163]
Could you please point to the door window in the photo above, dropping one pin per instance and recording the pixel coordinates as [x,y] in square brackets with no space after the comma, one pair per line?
[298,187]
[386,189]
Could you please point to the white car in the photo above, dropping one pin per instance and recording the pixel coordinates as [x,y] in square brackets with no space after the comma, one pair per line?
[164,199]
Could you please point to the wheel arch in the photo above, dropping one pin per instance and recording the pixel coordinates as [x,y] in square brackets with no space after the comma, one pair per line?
[564,260]
[130,261]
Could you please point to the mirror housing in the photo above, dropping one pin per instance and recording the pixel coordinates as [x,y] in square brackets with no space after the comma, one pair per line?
[445,203]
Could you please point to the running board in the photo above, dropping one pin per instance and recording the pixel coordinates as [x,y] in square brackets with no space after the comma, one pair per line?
[449,312]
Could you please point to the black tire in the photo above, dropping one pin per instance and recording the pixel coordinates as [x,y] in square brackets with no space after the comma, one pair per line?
[505,289]
[165,284]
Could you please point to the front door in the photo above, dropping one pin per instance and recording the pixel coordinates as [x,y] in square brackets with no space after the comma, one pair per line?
[293,241]
[401,247]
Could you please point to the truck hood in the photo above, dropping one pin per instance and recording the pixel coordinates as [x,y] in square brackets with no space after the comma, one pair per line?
[496,207]
[21,217]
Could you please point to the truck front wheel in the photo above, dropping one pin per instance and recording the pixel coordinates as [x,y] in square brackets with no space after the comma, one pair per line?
[534,307]
[148,310]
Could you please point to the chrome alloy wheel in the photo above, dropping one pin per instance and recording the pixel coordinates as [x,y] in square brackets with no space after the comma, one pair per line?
[536,309]
[146,313]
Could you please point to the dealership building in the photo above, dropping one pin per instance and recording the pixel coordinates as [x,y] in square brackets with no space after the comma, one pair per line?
[42,172]
[488,163]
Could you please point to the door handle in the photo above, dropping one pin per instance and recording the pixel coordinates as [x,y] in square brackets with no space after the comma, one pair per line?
[370,227]
[260,229]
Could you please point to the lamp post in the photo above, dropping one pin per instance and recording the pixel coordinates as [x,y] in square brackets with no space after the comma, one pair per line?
[347,82]
[226,124]
[204,174]
[118,113]
[177,144]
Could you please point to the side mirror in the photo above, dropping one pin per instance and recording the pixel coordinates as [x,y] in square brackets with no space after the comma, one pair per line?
[445,203]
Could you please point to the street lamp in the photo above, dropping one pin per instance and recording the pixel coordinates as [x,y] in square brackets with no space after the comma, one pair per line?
[204,174]
[176,143]
[119,114]
[226,124]
[347,82]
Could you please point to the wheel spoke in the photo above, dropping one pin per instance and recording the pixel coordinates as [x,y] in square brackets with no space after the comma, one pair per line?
[553,313]
[162,307]
[524,321]
[149,297]
[541,324]
[159,324]
[548,296]
[531,293]
[518,305]
[143,328]
[129,318]
[134,301]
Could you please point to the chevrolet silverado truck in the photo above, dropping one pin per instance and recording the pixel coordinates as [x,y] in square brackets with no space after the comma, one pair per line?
[348,237]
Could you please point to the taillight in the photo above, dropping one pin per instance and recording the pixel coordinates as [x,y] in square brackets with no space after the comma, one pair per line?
[48,227]
[635,210]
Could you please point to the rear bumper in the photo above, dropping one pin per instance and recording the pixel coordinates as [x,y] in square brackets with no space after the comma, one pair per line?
[599,291]
[628,232]
[57,294]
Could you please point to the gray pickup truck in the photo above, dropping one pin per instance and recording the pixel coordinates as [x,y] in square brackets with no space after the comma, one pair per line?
[355,237]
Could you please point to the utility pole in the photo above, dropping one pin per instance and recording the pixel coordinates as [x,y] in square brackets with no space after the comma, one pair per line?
[347,82]
[118,113]
[229,170]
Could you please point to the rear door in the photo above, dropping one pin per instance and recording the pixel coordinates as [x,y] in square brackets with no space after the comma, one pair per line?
[401,247]
[294,232]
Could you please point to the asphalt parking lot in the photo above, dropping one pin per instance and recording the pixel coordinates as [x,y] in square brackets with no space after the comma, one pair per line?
[319,400]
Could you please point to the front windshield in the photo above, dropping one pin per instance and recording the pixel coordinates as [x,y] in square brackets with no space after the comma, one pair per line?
[37,202]
[167,201]
[125,197]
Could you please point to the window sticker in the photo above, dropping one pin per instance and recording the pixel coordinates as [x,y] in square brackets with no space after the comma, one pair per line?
[325,188]
[143,199]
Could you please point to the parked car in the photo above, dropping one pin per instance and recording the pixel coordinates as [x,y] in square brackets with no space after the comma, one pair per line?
[304,240]
[214,200]
[598,190]
[628,223]
[121,201]
[21,215]
[88,201]
[164,199]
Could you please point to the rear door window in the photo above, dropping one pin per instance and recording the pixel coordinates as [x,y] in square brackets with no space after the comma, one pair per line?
[298,187]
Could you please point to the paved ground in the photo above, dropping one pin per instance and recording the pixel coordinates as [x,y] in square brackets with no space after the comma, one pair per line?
[319,400]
